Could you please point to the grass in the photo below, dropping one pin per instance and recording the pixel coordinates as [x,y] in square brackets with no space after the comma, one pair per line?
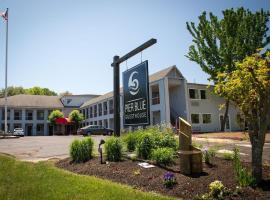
[24,180]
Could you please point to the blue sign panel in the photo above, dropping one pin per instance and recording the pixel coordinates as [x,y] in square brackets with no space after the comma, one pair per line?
[136,95]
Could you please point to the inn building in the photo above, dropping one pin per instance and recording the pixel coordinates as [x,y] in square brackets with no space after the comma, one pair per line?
[171,96]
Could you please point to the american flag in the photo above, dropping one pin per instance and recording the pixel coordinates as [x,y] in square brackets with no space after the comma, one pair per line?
[4,15]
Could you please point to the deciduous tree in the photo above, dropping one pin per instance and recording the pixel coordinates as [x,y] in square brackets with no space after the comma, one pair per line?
[76,116]
[219,43]
[248,86]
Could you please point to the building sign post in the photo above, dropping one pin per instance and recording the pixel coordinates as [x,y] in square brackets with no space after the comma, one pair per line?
[136,96]
[116,90]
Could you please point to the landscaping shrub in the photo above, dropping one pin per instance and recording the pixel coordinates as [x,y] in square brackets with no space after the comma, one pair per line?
[81,151]
[114,149]
[216,189]
[243,176]
[145,146]
[163,156]
[131,141]
[168,140]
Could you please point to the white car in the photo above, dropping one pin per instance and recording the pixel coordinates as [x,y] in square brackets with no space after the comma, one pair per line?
[18,132]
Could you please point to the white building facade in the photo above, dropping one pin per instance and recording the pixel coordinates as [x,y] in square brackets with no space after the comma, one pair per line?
[170,97]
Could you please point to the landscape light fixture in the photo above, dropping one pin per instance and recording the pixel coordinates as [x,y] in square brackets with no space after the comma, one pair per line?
[100,150]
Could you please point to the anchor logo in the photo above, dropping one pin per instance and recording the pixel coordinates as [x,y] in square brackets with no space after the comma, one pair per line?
[133,84]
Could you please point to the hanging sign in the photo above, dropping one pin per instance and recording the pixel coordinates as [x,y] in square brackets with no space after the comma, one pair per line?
[136,95]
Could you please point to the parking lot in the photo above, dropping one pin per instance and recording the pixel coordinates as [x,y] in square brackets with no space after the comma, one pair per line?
[40,147]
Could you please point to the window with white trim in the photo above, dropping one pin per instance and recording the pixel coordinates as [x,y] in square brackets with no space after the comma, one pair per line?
[206,118]
[195,118]
[194,94]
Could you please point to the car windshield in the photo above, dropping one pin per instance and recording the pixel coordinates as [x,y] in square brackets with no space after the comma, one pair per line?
[18,129]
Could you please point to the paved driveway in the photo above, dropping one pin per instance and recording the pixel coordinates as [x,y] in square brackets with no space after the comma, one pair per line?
[37,148]
[228,144]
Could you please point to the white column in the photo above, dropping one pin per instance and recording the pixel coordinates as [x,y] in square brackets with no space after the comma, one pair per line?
[167,100]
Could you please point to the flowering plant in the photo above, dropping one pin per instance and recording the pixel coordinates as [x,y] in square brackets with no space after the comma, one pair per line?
[169,180]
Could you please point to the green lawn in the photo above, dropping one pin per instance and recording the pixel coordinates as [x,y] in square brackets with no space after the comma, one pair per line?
[23,180]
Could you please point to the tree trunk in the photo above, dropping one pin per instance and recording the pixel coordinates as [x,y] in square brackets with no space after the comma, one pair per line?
[223,123]
[257,150]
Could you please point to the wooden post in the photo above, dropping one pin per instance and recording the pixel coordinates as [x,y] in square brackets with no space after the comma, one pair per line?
[116,76]
[116,96]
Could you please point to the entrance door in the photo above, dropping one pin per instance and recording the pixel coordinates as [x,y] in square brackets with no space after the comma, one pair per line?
[50,129]
[29,129]
[228,122]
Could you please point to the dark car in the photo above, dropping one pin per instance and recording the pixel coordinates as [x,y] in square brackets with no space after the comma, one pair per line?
[94,130]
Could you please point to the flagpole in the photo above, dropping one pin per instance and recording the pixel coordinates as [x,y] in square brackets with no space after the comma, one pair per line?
[6,128]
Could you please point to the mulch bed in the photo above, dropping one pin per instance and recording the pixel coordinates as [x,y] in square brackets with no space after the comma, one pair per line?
[187,187]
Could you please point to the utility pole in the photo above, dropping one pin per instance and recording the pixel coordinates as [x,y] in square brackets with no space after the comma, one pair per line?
[116,79]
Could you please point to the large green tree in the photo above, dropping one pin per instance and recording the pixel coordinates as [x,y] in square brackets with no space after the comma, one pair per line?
[248,86]
[219,43]
[13,90]
[40,91]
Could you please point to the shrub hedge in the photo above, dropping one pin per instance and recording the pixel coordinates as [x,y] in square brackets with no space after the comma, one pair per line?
[114,149]
[81,151]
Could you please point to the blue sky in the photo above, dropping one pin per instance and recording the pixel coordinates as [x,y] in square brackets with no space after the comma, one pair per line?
[69,45]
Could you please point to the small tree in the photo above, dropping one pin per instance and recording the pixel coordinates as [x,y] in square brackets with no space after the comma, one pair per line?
[248,86]
[76,116]
[55,115]
[219,43]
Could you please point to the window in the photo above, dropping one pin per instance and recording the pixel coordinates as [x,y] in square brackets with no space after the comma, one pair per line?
[111,106]
[99,109]
[195,118]
[91,123]
[95,110]
[206,118]
[91,112]
[155,95]
[83,112]
[193,94]
[203,94]
[105,108]
[105,123]
[17,115]
[29,115]
[3,114]
[40,129]
[40,115]
[87,113]
[100,122]
[69,100]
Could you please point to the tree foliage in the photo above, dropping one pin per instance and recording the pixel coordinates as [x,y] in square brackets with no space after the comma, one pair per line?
[248,86]
[55,115]
[13,90]
[76,116]
[40,91]
[219,43]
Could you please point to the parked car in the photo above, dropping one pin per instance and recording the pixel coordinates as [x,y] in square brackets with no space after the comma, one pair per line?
[18,132]
[94,130]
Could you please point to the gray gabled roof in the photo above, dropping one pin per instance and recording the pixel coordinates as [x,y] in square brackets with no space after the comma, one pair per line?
[152,78]
[32,101]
